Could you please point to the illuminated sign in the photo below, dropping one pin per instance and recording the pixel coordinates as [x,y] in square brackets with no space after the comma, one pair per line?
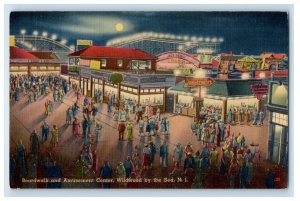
[84,42]
[259,90]
[183,71]
[195,82]
[94,64]
[180,55]
[279,94]
[12,41]
[84,62]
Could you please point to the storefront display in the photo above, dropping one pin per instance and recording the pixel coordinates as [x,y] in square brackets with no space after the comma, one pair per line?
[151,99]
[127,96]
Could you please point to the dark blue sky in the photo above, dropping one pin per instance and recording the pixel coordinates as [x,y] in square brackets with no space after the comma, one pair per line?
[247,32]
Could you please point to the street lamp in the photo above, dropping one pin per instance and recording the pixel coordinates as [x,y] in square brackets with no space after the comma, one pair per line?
[207,39]
[63,41]
[35,33]
[45,34]
[54,37]
[72,47]
[23,32]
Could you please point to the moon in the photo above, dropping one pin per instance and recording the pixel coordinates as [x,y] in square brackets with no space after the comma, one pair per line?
[119,27]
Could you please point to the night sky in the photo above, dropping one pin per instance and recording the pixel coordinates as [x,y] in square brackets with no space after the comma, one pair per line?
[247,32]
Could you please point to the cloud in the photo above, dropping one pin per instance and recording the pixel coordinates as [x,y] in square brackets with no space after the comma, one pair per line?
[96,24]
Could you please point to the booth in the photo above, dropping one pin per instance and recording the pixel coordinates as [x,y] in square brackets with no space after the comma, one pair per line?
[234,95]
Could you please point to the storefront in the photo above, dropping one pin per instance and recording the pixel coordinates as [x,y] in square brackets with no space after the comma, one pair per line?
[186,101]
[32,63]
[234,95]
[278,130]
[144,89]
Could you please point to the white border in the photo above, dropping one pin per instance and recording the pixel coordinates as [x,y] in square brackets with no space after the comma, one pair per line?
[141,192]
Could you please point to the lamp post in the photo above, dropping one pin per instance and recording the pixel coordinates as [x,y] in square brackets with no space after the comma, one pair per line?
[35,33]
[23,32]
[44,34]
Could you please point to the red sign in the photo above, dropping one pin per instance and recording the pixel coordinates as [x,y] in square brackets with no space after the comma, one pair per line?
[259,90]
[195,82]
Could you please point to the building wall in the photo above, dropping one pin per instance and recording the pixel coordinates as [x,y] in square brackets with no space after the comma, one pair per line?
[112,63]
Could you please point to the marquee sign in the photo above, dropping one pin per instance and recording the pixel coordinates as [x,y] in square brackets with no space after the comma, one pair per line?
[179,55]
[84,42]
[259,90]
[183,71]
[197,82]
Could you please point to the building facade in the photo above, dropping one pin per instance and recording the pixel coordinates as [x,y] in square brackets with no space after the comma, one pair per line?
[96,65]
[33,63]
[278,143]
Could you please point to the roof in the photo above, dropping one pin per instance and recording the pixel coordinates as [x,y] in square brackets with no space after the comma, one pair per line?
[248,59]
[179,87]
[18,53]
[44,55]
[232,58]
[231,88]
[103,51]
[275,55]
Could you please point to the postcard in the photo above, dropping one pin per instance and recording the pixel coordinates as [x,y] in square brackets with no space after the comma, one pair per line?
[168,100]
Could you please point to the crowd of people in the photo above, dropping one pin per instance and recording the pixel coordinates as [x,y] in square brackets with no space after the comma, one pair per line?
[223,152]
[244,116]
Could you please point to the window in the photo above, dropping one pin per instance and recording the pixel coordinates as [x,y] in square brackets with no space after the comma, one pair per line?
[14,68]
[71,61]
[76,61]
[281,119]
[103,63]
[120,63]
[23,68]
[140,64]
[149,64]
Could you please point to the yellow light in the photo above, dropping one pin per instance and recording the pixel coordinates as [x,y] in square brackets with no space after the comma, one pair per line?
[200,73]
[119,27]
[262,75]
[245,76]
[177,72]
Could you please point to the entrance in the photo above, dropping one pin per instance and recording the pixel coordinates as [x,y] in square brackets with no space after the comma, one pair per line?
[169,102]
[280,147]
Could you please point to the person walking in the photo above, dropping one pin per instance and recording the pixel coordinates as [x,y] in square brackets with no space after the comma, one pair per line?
[76,127]
[146,156]
[129,167]
[54,135]
[47,107]
[261,118]
[106,173]
[45,132]
[98,131]
[21,162]
[69,116]
[177,154]
[164,154]
[85,125]
[141,127]
[129,131]
[255,117]
[121,129]
[229,116]
[35,145]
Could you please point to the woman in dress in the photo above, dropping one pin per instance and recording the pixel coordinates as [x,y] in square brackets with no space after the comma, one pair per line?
[54,135]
